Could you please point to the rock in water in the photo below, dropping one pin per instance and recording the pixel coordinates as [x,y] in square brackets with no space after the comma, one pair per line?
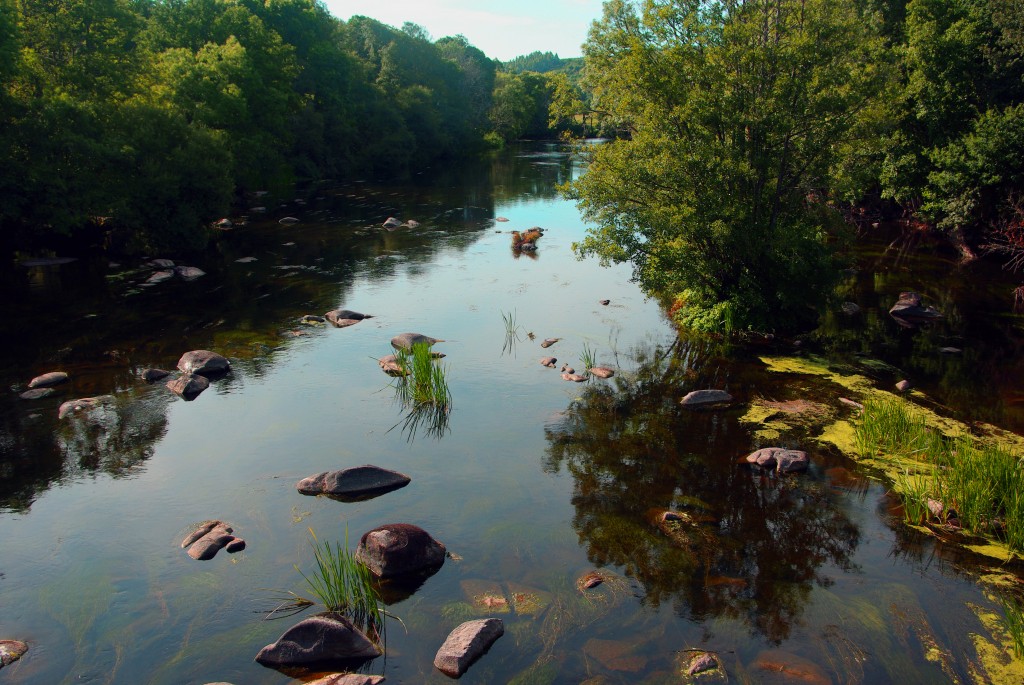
[150,375]
[189,273]
[348,679]
[704,397]
[11,651]
[47,380]
[908,310]
[548,362]
[780,459]
[391,222]
[405,341]
[400,549]
[37,393]
[466,644]
[601,372]
[188,386]
[83,404]
[344,317]
[317,641]
[203,362]
[356,482]
[209,538]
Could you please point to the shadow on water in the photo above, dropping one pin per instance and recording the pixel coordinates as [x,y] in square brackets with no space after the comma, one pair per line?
[757,541]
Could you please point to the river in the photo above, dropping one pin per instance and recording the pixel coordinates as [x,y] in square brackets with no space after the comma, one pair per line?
[530,481]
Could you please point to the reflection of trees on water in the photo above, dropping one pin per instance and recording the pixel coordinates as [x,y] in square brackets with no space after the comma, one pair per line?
[632,450]
[39,450]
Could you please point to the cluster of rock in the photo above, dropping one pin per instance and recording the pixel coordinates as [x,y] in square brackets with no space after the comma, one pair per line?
[391,224]
[197,368]
[569,373]
[166,270]
[909,312]
[210,537]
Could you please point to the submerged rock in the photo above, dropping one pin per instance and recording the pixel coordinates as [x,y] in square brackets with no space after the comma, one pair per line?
[326,639]
[150,375]
[779,459]
[82,404]
[405,341]
[574,377]
[705,397]
[356,482]
[203,362]
[348,679]
[188,386]
[548,342]
[344,317]
[909,312]
[400,549]
[391,366]
[466,644]
[47,380]
[210,537]
[37,393]
[789,668]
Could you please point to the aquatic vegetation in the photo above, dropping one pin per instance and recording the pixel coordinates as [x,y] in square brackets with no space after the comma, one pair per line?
[339,583]
[978,485]
[587,358]
[427,382]
[1013,621]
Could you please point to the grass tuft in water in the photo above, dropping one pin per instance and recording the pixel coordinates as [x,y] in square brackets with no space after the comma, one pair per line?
[587,358]
[1013,621]
[511,332]
[427,382]
[340,584]
[979,484]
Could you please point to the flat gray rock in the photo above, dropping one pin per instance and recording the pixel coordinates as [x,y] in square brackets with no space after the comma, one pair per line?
[319,640]
[466,644]
[405,341]
[358,482]
[703,397]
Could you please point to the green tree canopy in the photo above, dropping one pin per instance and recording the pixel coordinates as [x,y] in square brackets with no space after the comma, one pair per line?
[742,117]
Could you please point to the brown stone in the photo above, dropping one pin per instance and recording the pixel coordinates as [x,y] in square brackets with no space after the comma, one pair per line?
[47,380]
[399,549]
[466,644]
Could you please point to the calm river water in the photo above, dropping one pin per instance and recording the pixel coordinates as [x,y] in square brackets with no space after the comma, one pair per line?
[530,481]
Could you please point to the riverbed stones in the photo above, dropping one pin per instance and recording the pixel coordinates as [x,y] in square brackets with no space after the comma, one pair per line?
[548,362]
[203,362]
[340,318]
[188,386]
[327,639]
[779,459]
[159,277]
[151,375]
[11,651]
[48,380]
[908,310]
[210,537]
[707,397]
[397,550]
[405,341]
[356,482]
[466,644]
[785,667]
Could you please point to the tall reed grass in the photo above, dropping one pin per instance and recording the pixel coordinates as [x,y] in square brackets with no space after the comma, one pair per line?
[980,484]
[427,382]
[1013,621]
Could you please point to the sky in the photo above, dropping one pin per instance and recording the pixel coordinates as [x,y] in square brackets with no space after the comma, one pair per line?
[502,30]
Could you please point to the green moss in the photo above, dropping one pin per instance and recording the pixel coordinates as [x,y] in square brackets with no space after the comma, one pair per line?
[995,654]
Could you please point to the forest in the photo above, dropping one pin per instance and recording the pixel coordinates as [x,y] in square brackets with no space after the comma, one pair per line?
[746,133]
[132,124]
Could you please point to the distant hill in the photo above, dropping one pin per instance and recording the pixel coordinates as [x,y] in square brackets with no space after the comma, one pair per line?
[542,63]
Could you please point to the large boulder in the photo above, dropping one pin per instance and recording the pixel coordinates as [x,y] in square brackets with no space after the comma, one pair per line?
[327,639]
[909,311]
[358,482]
[47,380]
[779,459]
[700,398]
[397,550]
[466,644]
[210,537]
[11,651]
[405,341]
[188,386]
[203,362]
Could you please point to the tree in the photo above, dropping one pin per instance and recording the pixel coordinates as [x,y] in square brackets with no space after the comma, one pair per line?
[742,119]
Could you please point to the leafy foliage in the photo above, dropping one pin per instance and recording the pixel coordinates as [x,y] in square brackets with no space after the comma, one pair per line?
[740,118]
